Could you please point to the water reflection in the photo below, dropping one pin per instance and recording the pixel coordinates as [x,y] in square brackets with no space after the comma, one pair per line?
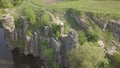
[6,60]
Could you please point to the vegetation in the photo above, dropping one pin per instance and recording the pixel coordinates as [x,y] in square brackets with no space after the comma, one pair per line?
[91,6]
[29,14]
[20,44]
[19,22]
[45,19]
[91,36]
[9,3]
[56,65]
[105,63]
[56,30]
[82,37]
[47,51]
[86,56]
[115,60]
[29,32]
[5,4]
[17,2]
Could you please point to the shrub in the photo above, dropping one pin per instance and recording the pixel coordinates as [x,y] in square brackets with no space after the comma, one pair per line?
[45,19]
[45,43]
[108,35]
[5,4]
[20,44]
[82,37]
[105,64]
[91,36]
[56,30]
[86,56]
[17,2]
[115,60]
[66,28]
[29,32]
[29,14]
[48,52]
[18,23]
[56,65]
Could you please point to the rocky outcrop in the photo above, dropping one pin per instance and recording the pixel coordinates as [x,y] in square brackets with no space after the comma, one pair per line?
[8,22]
[114,26]
[34,44]
[99,22]
[40,42]
[80,21]
[69,42]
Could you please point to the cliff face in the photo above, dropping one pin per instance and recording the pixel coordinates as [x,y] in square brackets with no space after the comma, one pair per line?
[49,43]
[114,26]
[41,42]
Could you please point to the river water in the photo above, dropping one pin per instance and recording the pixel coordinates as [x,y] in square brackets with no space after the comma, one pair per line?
[13,59]
[6,59]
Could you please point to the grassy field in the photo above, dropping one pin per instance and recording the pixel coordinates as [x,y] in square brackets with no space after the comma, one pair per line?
[112,7]
[104,7]
[91,6]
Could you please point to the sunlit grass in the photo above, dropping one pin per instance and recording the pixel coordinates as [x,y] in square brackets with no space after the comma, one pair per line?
[91,6]
[111,7]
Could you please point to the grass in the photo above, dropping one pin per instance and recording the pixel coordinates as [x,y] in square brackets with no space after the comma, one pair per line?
[111,7]
[102,7]
[91,6]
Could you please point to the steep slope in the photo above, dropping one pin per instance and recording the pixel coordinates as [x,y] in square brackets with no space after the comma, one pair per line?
[51,31]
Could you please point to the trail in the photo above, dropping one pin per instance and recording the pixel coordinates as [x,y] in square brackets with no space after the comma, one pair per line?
[50,1]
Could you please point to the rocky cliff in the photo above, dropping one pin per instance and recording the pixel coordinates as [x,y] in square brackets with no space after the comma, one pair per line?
[112,24]
[50,43]
[40,43]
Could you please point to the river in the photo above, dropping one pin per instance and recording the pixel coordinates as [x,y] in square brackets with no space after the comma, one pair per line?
[6,59]
[13,59]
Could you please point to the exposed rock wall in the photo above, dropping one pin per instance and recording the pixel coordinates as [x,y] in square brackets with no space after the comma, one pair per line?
[33,44]
[80,21]
[36,43]
[114,26]
[8,22]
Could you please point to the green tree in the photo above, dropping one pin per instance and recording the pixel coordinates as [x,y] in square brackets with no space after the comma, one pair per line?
[115,60]
[86,56]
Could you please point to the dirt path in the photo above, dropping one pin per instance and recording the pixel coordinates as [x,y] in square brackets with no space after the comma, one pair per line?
[50,1]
